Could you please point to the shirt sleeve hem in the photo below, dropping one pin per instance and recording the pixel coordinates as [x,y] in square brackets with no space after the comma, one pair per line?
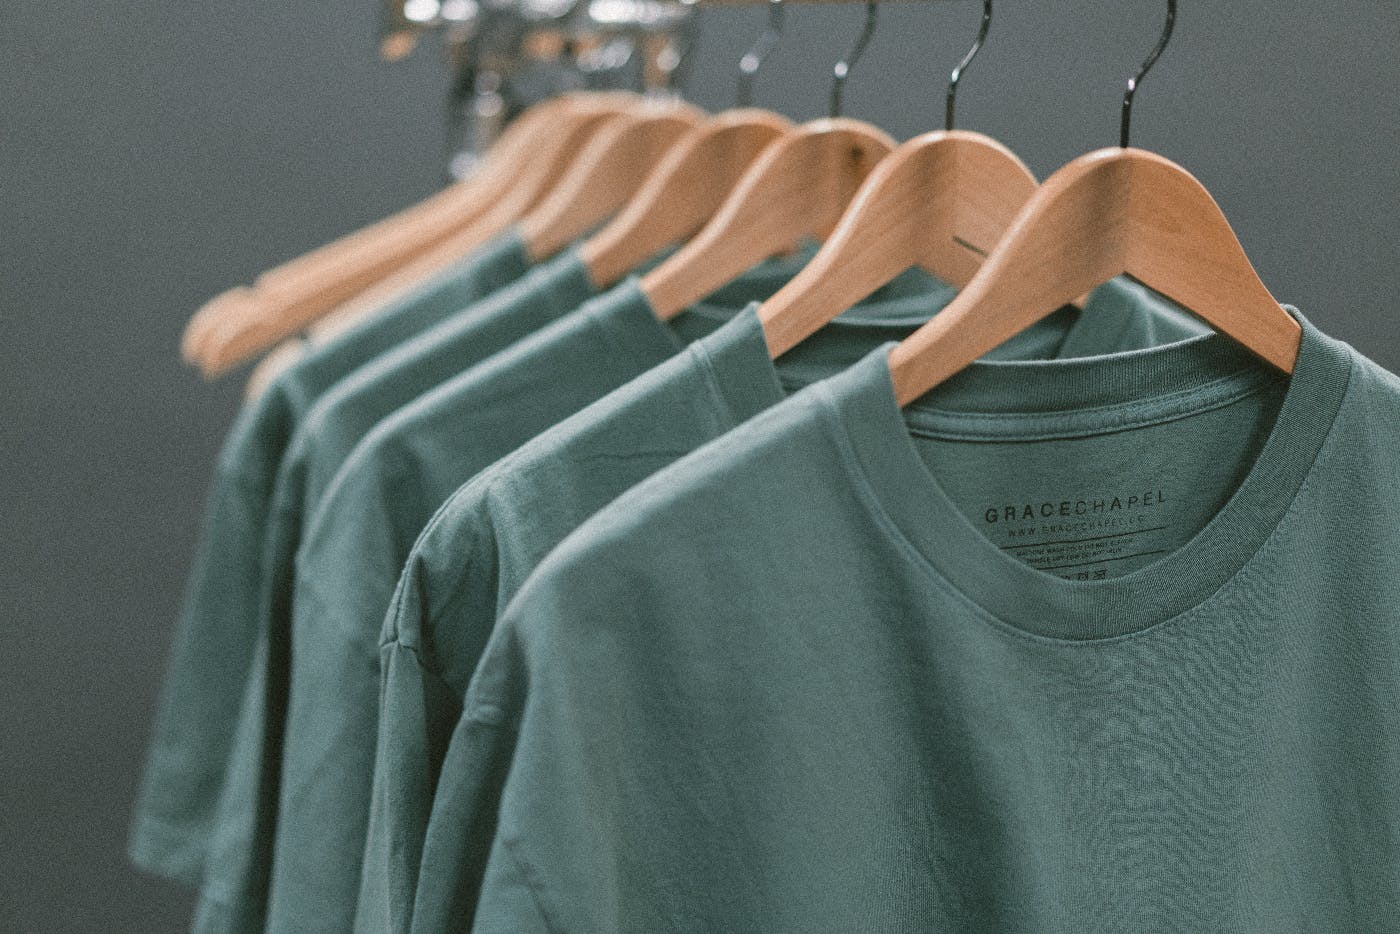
[166,851]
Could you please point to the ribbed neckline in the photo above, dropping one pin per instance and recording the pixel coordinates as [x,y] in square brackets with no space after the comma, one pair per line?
[743,375]
[726,330]
[1084,396]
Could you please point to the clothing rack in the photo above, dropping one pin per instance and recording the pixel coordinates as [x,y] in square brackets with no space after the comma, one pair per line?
[556,590]
[792,2]
[505,58]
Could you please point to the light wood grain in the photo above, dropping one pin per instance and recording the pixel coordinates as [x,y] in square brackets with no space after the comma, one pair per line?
[455,206]
[607,173]
[797,188]
[1110,213]
[684,192]
[404,260]
[939,202]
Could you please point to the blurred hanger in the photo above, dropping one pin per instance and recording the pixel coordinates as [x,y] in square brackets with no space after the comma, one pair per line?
[406,277]
[461,201]
[452,207]
[671,56]
[609,174]
[684,191]
[1112,212]
[797,188]
[287,310]
[939,202]
[600,177]
[606,175]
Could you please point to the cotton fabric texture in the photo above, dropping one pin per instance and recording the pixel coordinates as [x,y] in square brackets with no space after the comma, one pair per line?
[237,871]
[490,535]
[1094,645]
[360,535]
[216,632]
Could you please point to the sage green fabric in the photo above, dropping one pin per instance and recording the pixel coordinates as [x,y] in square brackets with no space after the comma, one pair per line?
[216,632]
[1071,646]
[361,532]
[487,538]
[238,864]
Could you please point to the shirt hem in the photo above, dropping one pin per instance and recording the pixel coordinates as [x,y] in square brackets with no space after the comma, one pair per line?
[159,849]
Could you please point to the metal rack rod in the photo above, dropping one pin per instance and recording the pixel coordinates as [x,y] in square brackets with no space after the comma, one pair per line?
[710,3]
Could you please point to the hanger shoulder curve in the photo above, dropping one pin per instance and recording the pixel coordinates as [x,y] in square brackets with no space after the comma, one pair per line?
[450,208]
[1110,213]
[404,260]
[605,175]
[798,187]
[683,192]
[939,202]
[461,201]
[1181,244]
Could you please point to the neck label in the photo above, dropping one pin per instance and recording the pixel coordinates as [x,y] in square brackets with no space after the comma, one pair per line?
[1084,536]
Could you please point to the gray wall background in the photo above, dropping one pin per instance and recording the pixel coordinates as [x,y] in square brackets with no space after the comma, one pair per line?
[154,153]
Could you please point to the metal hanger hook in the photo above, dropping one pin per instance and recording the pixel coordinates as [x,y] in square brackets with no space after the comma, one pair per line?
[956,77]
[674,57]
[755,57]
[686,39]
[843,68]
[1133,82]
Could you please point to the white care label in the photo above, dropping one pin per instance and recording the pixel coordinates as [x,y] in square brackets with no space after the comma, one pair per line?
[1084,537]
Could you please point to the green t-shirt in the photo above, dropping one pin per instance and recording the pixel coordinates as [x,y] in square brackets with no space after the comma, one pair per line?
[215,635]
[1100,645]
[491,533]
[359,536]
[238,857]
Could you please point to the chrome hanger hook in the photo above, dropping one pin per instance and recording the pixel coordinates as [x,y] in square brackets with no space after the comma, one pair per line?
[843,67]
[1133,82]
[755,57]
[956,77]
[678,56]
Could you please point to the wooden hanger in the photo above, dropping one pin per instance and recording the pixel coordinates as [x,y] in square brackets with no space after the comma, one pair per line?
[257,322]
[1113,212]
[430,263]
[455,205]
[404,279]
[285,314]
[694,173]
[939,202]
[677,197]
[440,257]
[500,170]
[606,175]
[796,189]
[683,192]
